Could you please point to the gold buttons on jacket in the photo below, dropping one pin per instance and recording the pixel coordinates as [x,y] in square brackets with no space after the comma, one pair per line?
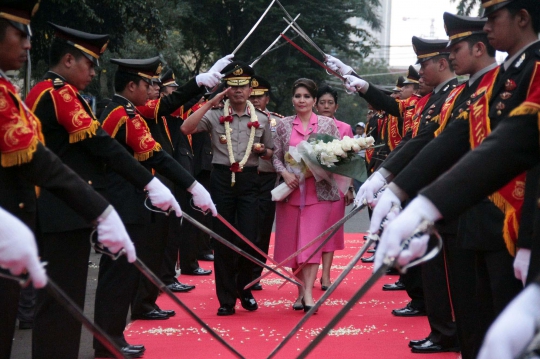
[90,183]
[21,205]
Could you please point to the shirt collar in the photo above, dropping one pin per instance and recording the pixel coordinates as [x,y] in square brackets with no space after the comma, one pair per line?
[480,73]
[509,61]
[441,85]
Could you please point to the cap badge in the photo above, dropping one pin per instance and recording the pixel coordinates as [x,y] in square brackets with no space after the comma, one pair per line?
[104,47]
[35,9]
[254,83]
[158,71]
[238,72]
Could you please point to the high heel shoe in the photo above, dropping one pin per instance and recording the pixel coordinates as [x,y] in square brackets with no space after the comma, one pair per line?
[323,287]
[308,307]
[298,306]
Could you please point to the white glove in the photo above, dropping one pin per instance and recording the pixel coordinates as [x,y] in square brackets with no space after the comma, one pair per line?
[221,63]
[514,328]
[161,197]
[112,234]
[202,198]
[402,228]
[369,188]
[384,203]
[18,250]
[337,65]
[521,264]
[354,84]
[208,79]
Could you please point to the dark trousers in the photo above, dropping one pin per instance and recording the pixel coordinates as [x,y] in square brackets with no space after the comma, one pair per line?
[27,304]
[267,213]
[117,283]
[203,240]
[412,280]
[437,301]
[56,333]
[236,204]
[151,252]
[9,300]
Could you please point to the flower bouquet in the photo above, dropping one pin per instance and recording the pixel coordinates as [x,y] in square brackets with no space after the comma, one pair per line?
[324,155]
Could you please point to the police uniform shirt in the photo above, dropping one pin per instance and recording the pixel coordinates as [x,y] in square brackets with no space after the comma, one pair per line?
[266,165]
[239,136]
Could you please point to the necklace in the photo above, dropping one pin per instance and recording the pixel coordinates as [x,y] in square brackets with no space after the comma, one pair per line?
[253,125]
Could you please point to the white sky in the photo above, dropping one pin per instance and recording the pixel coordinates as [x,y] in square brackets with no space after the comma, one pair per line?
[421,14]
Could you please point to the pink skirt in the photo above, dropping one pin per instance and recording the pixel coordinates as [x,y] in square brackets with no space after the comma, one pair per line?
[337,242]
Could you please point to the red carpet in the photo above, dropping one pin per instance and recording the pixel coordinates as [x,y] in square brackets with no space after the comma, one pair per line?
[368,331]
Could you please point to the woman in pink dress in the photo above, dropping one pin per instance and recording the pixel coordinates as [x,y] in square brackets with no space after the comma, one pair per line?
[305,213]
[327,105]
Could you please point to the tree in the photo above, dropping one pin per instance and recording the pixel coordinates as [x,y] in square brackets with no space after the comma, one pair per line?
[465,7]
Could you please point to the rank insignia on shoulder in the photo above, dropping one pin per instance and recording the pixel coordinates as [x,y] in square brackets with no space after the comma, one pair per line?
[130,110]
[276,114]
[58,82]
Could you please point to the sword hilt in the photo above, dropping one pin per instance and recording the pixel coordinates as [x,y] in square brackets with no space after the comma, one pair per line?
[100,248]
[22,279]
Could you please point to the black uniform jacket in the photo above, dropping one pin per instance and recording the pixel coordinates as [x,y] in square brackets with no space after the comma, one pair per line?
[87,158]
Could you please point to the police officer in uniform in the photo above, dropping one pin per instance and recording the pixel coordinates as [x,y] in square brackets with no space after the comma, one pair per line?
[124,119]
[260,97]
[240,136]
[26,163]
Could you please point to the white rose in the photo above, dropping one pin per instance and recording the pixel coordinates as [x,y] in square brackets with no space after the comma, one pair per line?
[347,143]
[370,141]
[361,142]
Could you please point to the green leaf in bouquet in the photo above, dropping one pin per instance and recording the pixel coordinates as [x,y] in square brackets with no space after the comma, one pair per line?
[321,137]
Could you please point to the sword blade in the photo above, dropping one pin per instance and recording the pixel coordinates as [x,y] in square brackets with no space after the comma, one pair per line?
[325,296]
[254,27]
[251,244]
[302,34]
[272,44]
[313,241]
[231,246]
[359,294]
[158,283]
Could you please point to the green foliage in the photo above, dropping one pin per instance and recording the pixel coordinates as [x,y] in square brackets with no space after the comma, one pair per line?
[465,7]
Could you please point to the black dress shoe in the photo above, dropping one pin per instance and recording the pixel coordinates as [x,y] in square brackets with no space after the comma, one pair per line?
[127,351]
[371,251]
[368,259]
[412,343]
[136,347]
[180,287]
[257,286]
[392,271]
[224,311]
[207,257]
[199,271]
[151,315]
[429,347]
[394,286]
[409,311]
[169,312]
[247,300]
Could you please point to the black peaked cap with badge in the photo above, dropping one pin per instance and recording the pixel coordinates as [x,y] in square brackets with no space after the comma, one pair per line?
[167,79]
[491,6]
[458,28]
[92,46]
[19,13]
[260,86]
[148,69]
[413,77]
[428,49]
[237,73]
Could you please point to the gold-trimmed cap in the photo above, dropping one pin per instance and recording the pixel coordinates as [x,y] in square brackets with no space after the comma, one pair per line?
[167,79]
[260,86]
[493,5]
[237,73]
[19,13]
[427,49]
[91,45]
[148,69]
[399,84]
[458,28]
[413,77]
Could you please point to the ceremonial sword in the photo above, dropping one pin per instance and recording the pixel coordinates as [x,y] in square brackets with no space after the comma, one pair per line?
[272,44]
[253,246]
[68,304]
[253,28]
[225,242]
[158,283]
[425,227]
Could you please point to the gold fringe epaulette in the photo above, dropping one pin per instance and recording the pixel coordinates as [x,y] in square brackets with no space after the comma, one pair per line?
[20,157]
[526,108]
[508,211]
[146,155]
[84,134]
[108,123]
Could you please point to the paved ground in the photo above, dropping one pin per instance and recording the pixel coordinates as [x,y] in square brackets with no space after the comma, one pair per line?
[22,340]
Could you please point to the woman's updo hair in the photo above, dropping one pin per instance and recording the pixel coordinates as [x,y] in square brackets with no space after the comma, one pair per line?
[327,90]
[308,84]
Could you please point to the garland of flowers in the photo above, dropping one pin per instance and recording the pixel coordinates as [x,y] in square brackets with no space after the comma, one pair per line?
[253,125]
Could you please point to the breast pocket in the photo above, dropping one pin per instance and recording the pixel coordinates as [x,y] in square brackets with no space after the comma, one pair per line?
[258,134]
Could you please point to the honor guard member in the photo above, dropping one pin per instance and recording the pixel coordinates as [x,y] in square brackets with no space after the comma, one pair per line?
[181,249]
[240,136]
[514,99]
[26,163]
[72,132]
[260,97]
[396,91]
[436,71]
[123,120]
